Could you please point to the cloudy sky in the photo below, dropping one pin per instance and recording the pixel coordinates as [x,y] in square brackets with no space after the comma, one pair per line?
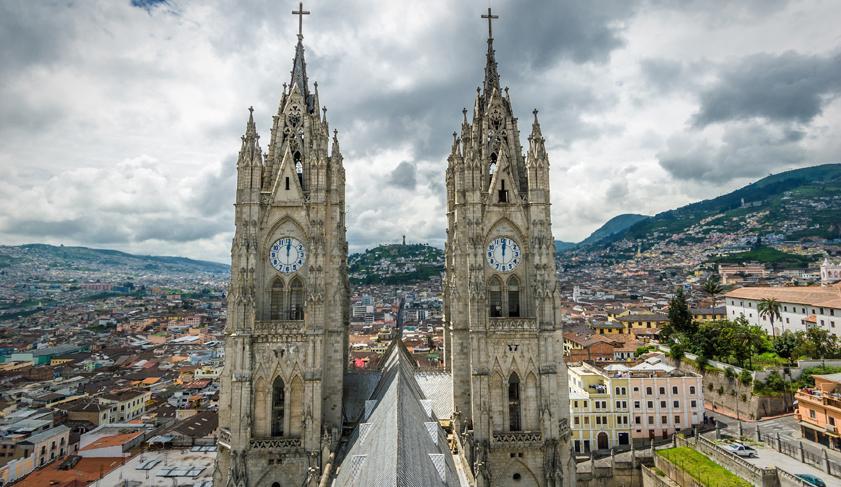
[120,119]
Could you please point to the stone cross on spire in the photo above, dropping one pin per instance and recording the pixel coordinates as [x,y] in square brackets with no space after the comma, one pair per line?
[490,16]
[300,13]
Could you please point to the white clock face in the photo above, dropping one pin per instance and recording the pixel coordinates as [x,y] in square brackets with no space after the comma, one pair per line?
[288,255]
[503,254]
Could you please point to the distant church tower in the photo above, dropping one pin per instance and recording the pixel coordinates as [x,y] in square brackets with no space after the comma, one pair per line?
[503,335]
[280,407]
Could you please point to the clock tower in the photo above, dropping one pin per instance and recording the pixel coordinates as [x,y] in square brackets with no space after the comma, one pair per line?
[504,344]
[280,407]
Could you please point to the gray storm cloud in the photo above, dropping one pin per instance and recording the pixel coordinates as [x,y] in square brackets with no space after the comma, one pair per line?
[120,121]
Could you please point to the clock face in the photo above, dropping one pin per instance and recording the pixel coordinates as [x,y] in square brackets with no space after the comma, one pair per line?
[288,255]
[503,254]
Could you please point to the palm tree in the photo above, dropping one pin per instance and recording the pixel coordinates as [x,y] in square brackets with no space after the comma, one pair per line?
[712,286]
[769,308]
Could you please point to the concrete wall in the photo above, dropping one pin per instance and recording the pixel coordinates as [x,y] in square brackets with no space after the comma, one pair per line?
[651,479]
[766,477]
[753,407]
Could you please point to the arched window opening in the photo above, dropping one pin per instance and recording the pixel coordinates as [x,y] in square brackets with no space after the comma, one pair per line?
[296,300]
[514,402]
[277,307]
[299,167]
[503,193]
[278,404]
[495,298]
[514,297]
[492,167]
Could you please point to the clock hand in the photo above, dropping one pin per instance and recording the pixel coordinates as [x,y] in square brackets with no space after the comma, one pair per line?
[503,250]
[288,246]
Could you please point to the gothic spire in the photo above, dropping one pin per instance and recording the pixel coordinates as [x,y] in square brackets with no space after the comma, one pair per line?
[491,75]
[250,151]
[299,65]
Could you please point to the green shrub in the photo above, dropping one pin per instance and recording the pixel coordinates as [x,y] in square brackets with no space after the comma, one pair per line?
[745,377]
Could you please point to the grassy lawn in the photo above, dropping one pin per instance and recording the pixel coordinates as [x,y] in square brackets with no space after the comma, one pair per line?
[702,468]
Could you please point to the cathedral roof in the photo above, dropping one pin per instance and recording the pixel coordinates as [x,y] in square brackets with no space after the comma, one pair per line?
[398,441]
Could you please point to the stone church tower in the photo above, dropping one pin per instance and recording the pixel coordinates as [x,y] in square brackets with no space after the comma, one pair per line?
[280,409]
[503,334]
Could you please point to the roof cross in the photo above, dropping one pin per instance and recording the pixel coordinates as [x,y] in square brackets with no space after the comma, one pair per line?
[490,16]
[300,13]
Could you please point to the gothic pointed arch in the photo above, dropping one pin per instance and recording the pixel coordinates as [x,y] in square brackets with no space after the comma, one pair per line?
[530,403]
[296,299]
[517,473]
[495,297]
[262,409]
[277,299]
[498,399]
[506,226]
[296,406]
[514,402]
[512,289]
[278,410]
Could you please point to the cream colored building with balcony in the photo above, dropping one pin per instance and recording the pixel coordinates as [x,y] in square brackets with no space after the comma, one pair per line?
[599,408]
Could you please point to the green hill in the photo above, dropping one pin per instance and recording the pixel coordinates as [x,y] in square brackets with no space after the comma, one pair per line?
[615,225]
[561,246]
[82,258]
[396,264]
[799,204]
[768,255]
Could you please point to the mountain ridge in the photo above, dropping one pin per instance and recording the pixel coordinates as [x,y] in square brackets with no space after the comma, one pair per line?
[811,196]
[18,254]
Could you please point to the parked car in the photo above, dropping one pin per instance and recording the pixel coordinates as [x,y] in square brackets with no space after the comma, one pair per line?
[742,450]
[811,479]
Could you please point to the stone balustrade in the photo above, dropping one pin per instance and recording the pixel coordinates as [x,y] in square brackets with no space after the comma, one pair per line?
[520,439]
[275,443]
[512,324]
[268,327]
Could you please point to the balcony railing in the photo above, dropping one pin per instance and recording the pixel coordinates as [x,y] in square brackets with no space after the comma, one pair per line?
[512,324]
[278,326]
[518,438]
[818,397]
[275,443]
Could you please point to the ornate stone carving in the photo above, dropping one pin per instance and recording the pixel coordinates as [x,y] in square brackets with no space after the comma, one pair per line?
[517,439]
[512,324]
[275,444]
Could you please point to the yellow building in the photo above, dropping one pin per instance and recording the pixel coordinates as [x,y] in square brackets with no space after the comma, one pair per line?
[709,314]
[639,322]
[600,417]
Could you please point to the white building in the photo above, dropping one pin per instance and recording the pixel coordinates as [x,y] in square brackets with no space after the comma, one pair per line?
[830,272]
[801,307]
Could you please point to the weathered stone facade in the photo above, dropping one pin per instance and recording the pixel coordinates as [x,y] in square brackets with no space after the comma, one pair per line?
[503,333]
[280,411]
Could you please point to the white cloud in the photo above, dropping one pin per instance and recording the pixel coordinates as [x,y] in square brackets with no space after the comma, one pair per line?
[118,124]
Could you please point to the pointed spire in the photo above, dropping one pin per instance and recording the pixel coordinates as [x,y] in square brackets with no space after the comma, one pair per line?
[491,75]
[299,69]
[537,146]
[250,151]
[336,149]
[535,126]
[251,127]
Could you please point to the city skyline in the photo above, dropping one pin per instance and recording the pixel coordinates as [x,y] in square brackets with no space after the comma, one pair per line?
[639,115]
